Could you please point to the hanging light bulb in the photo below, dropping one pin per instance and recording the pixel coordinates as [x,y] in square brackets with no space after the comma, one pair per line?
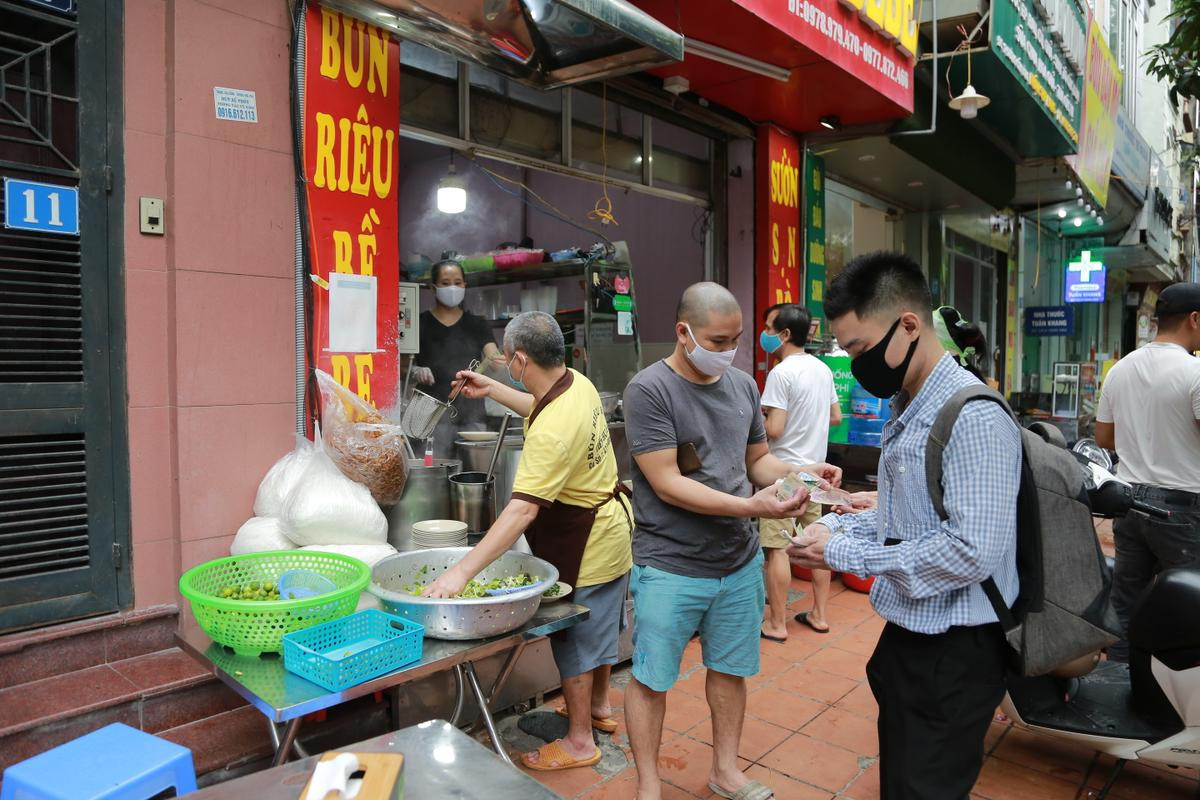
[1099,220]
[1070,185]
[1078,222]
[969,102]
[1079,202]
[451,192]
[1078,192]
[1087,207]
[1062,213]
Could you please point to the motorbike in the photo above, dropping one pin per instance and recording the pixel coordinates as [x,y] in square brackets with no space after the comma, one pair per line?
[1148,709]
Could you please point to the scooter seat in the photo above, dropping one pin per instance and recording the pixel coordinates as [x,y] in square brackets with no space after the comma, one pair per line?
[1165,623]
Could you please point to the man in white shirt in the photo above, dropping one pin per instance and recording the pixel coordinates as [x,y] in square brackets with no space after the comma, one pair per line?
[799,405]
[1150,414]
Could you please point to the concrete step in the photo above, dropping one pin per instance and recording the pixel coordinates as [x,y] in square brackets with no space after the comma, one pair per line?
[34,655]
[154,692]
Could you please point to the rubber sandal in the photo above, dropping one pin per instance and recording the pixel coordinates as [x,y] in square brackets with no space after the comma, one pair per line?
[803,619]
[605,725]
[770,638]
[751,791]
[552,757]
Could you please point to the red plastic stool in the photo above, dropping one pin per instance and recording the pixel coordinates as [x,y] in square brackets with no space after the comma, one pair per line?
[856,583]
[805,574]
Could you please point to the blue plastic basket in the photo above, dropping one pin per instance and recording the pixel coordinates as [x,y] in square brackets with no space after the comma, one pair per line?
[353,649]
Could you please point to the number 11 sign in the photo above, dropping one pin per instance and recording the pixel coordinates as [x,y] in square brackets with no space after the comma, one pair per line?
[44,207]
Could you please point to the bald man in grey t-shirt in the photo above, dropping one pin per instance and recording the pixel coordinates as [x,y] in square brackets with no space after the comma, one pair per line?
[696,434]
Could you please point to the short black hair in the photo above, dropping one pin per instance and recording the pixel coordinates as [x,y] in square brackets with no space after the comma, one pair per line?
[878,282]
[436,273]
[796,320]
[1172,322]
[776,307]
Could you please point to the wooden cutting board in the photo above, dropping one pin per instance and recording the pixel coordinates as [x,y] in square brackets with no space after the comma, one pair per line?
[383,775]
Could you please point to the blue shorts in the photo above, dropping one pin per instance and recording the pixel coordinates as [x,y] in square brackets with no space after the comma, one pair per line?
[669,608]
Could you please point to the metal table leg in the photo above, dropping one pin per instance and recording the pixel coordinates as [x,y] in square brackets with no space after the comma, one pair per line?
[283,747]
[460,695]
[502,677]
[484,711]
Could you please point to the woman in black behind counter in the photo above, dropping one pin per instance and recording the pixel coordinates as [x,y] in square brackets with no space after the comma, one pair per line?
[450,339]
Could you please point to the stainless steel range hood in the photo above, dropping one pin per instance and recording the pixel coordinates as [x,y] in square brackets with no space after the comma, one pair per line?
[542,43]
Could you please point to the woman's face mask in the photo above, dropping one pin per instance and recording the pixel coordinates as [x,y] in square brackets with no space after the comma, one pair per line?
[450,295]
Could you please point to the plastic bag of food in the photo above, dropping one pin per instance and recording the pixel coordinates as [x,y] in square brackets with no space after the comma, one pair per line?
[260,535]
[364,445]
[369,554]
[327,508]
[281,478]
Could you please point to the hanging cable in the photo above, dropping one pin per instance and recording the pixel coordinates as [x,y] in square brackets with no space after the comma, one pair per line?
[603,208]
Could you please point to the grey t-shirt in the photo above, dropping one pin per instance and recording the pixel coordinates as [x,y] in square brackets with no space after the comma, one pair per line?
[664,411]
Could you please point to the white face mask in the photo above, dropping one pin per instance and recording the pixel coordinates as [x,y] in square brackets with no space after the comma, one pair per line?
[450,295]
[710,362]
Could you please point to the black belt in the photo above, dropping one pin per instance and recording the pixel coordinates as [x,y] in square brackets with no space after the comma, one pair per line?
[891,542]
[1174,497]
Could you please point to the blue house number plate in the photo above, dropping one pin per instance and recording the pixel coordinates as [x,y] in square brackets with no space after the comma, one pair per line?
[44,207]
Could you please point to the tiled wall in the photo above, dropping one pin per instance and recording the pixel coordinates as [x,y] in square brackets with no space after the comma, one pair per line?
[209,305]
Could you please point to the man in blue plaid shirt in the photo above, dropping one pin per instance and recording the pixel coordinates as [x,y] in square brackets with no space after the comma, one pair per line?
[938,669]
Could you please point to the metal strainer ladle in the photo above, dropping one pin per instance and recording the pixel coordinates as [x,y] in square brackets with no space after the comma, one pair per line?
[424,411]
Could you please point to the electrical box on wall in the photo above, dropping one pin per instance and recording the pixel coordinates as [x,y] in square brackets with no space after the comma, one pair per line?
[151,216]
[408,335]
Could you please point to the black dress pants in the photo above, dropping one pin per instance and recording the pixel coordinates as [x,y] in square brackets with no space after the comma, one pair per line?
[937,694]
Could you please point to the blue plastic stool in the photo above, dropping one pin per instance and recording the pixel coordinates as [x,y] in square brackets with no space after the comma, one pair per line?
[116,762]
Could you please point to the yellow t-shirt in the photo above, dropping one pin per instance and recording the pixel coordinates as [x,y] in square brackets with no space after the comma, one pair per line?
[568,457]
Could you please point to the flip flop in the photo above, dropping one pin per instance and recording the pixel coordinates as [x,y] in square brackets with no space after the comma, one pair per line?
[803,619]
[604,725]
[751,791]
[770,638]
[552,757]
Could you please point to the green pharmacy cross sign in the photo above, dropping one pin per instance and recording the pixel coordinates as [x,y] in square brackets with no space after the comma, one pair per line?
[1085,280]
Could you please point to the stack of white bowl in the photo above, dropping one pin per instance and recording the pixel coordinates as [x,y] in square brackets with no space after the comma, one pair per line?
[433,533]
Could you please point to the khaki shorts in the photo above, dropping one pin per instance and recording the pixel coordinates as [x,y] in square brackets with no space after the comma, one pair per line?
[775,534]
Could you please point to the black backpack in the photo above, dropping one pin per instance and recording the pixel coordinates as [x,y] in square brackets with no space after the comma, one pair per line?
[1062,611]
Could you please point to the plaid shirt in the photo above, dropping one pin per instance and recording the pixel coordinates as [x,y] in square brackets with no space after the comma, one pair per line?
[930,581]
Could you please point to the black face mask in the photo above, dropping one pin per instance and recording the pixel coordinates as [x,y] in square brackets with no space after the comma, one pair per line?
[872,371]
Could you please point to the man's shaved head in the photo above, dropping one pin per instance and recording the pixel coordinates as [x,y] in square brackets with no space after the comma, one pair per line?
[701,299]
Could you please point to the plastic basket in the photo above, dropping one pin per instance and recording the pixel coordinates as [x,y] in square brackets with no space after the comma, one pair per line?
[251,627]
[353,649]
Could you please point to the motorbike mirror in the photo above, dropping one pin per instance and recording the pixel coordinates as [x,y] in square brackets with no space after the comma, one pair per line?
[1094,453]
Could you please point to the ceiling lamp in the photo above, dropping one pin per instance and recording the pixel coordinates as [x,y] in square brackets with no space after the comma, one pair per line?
[1062,213]
[830,122]
[1079,222]
[451,192]
[969,102]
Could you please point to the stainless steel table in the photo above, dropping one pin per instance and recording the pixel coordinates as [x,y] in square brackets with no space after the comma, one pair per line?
[440,761]
[284,698]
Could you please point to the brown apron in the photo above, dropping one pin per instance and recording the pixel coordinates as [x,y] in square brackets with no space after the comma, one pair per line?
[559,534]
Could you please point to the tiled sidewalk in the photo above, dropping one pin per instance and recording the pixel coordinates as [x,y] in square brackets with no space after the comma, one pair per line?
[810,731]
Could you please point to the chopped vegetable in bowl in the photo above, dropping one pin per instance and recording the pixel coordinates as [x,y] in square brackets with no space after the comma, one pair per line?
[553,591]
[475,588]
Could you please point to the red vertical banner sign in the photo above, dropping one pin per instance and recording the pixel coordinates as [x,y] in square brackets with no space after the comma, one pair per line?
[349,130]
[779,245]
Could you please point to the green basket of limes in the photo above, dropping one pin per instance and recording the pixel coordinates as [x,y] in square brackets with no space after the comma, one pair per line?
[237,602]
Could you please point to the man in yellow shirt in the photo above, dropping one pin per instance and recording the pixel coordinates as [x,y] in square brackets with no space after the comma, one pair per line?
[566,499]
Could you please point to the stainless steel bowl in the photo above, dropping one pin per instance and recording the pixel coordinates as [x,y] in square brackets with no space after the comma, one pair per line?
[476,618]
[608,402]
